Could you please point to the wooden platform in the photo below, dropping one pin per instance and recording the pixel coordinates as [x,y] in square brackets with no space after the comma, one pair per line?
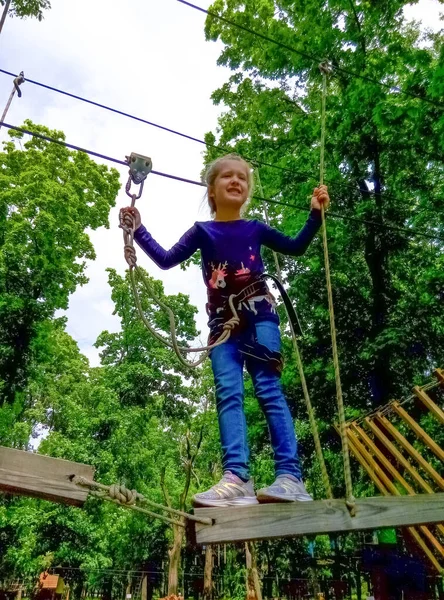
[42,476]
[268,521]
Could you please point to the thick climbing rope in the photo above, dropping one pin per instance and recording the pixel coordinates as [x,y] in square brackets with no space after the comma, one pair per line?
[325,70]
[308,403]
[121,495]
[127,223]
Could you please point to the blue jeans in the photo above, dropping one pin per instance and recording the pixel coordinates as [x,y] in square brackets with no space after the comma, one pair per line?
[227,363]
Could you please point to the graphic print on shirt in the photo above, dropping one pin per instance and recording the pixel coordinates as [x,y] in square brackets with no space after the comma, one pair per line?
[250,304]
[218,275]
[242,271]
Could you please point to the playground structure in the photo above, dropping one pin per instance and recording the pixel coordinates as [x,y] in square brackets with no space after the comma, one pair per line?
[399,456]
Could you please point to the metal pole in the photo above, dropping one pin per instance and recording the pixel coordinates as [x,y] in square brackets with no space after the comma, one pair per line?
[17,82]
[4,14]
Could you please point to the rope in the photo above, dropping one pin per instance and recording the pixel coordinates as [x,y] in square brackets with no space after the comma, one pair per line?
[127,224]
[308,404]
[324,67]
[119,494]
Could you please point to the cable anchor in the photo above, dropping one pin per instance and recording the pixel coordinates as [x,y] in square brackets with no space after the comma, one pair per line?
[325,67]
[139,168]
[17,82]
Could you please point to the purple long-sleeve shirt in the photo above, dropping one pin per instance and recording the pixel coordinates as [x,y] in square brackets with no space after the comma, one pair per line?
[231,259]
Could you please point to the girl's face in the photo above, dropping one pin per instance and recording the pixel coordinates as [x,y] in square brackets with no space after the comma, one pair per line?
[230,189]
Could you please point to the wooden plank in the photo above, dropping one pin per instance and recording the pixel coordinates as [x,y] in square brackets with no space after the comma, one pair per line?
[40,476]
[429,404]
[269,521]
[418,430]
[406,445]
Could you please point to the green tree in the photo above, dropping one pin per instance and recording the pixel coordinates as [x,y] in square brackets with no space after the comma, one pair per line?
[130,418]
[384,169]
[49,196]
[23,9]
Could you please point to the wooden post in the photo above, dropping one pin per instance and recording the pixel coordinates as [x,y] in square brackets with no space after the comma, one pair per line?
[39,476]
[144,587]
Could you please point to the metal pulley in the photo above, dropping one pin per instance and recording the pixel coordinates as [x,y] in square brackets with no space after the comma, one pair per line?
[139,168]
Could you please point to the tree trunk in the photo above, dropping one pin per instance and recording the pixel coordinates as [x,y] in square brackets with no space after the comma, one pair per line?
[174,554]
[4,14]
[253,583]
[208,574]
[376,256]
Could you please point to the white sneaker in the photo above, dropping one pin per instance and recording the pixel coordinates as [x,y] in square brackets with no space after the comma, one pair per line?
[286,488]
[230,491]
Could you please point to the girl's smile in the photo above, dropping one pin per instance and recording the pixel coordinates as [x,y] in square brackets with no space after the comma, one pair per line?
[230,189]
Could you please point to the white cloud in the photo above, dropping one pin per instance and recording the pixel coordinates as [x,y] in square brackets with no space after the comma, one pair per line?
[146,58]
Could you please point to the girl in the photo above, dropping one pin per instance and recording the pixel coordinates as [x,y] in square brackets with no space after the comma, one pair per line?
[232,264]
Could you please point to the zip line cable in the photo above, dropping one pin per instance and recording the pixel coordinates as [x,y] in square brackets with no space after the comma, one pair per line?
[313,58]
[404,230]
[173,131]
[254,161]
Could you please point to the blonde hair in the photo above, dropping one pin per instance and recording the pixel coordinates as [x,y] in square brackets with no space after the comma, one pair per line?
[213,170]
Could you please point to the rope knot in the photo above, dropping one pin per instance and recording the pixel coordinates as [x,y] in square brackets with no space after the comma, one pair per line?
[231,324]
[122,495]
[351,505]
[130,255]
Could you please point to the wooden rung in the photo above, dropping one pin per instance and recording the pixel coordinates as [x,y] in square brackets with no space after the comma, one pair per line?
[40,476]
[368,466]
[405,444]
[418,430]
[439,374]
[429,404]
[400,458]
[268,521]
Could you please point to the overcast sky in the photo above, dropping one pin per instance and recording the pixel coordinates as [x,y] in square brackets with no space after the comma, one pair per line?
[148,58]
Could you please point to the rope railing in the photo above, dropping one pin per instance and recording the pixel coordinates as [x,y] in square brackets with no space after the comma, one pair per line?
[325,70]
[308,403]
[122,496]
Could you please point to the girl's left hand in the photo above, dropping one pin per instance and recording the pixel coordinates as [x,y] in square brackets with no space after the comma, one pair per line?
[320,198]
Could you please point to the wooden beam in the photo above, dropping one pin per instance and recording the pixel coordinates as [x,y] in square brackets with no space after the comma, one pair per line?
[400,458]
[407,446]
[389,484]
[429,404]
[268,521]
[39,476]
[439,374]
[418,430]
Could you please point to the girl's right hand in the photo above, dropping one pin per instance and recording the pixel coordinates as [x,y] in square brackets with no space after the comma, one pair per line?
[133,211]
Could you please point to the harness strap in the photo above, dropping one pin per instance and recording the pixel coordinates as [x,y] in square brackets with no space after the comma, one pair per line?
[289,306]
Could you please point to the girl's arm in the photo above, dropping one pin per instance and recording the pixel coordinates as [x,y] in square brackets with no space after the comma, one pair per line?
[165,259]
[293,246]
